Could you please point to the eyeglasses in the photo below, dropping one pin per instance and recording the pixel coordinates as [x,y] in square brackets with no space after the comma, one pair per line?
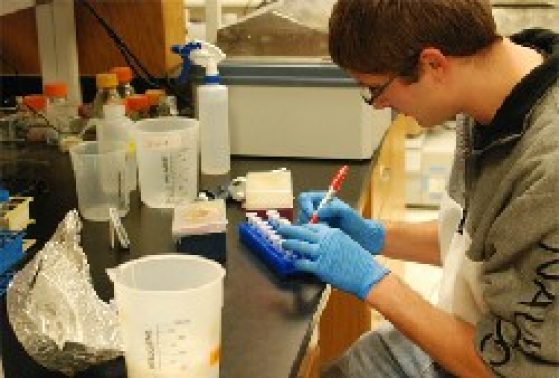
[370,94]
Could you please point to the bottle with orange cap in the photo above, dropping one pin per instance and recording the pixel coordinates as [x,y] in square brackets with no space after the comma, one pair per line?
[106,93]
[31,123]
[155,96]
[124,76]
[138,107]
[59,112]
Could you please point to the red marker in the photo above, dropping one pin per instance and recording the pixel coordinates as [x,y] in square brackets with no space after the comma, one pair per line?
[332,190]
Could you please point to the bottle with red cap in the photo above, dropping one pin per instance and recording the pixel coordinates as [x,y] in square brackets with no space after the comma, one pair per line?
[155,97]
[124,76]
[35,102]
[138,107]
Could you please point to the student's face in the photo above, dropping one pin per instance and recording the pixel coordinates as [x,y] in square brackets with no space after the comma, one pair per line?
[427,100]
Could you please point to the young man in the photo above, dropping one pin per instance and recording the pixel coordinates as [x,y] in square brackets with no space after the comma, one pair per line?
[498,233]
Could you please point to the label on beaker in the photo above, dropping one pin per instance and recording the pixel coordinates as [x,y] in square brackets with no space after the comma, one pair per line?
[183,173]
[161,143]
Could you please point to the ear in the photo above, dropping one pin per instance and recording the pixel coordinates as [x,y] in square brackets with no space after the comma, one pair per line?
[434,61]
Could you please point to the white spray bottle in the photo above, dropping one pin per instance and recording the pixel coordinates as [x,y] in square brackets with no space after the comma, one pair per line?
[213,112]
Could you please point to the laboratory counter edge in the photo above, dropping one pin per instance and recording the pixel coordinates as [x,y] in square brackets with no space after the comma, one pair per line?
[267,322]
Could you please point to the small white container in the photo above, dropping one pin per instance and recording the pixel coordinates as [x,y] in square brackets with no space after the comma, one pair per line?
[213,112]
[269,190]
[199,228]
[199,218]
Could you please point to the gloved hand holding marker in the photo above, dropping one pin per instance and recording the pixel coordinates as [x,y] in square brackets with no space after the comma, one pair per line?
[323,206]
[340,254]
[332,190]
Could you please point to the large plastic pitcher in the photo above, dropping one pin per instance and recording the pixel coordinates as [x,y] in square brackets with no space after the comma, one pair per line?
[169,309]
[167,151]
[100,172]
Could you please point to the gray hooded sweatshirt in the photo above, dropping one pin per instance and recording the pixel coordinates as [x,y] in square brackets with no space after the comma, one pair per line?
[506,178]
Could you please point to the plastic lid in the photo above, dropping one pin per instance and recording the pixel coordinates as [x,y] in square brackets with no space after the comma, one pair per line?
[126,106]
[269,190]
[106,80]
[55,89]
[35,102]
[154,95]
[123,74]
[114,110]
[137,102]
[199,218]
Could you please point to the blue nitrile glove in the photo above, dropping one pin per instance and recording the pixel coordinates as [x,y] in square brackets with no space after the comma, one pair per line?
[368,233]
[334,257]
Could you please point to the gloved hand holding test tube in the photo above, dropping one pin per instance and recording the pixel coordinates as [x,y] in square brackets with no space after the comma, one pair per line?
[332,190]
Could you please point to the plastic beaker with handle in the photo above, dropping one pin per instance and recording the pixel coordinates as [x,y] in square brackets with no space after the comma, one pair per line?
[100,173]
[167,152]
[169,309]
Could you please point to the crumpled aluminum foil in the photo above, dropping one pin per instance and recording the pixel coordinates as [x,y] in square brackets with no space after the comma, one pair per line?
[54,310]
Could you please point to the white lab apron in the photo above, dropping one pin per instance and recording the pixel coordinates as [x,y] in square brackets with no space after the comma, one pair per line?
[460,290]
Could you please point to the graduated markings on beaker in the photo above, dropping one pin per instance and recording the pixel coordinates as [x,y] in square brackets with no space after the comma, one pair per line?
[150,349]
[167,182]
[180,172]
[166,165]
[164,333]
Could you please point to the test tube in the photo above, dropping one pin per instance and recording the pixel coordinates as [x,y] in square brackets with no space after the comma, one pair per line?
[268,229]
[284,221]
[261,225]
[272,213]
[252,218]
[276,240]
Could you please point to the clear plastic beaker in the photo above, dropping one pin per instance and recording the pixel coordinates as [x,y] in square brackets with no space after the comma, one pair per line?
[100,172]
[169,309]
[167,151]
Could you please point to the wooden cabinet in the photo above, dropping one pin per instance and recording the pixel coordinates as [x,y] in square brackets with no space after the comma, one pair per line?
[387,196]
[149,28]
[346,318]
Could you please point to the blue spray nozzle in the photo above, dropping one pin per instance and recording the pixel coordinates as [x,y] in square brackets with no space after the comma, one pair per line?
[184,51]
[212,79]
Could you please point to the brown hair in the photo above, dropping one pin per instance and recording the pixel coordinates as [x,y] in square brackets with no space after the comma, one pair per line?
[387,36]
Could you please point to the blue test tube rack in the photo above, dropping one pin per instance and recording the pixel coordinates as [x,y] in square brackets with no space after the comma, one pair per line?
[11,251]
[274,256]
